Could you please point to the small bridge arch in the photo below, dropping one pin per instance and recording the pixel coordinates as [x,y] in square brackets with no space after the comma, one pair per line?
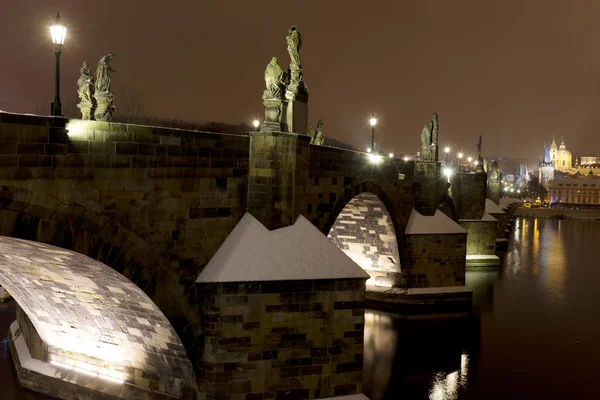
[93,322]
[363,226]
[43,218]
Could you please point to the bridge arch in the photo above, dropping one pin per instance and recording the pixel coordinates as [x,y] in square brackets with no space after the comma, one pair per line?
[365,229]
[94,325]
[46,219]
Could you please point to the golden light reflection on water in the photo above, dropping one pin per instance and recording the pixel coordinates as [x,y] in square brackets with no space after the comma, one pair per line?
[547,256]
[446,386]
[380,349]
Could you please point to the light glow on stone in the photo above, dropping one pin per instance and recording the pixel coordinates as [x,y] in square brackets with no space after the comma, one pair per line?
[59,364]
[375,158]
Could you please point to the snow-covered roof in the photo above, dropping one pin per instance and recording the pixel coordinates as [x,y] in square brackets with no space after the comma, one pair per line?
[439,223]
[488,217]
[252,253]
[492,208]
[506,202]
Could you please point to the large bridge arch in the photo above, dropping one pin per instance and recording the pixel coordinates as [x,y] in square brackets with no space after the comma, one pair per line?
[84,323]
[46,219]
[364,225]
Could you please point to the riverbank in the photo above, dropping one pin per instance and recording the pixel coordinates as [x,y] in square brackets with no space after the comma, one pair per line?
[557,213]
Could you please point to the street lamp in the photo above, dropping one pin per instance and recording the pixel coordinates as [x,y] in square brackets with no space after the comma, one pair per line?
[373,122]
[255,123]
[58,33]
[446,150]
[368,150]
[391,155]
[470,159]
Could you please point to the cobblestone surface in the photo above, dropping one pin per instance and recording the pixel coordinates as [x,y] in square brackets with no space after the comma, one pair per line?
[88,313]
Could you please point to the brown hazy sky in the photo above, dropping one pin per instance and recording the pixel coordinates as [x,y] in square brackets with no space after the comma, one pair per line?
[515,71]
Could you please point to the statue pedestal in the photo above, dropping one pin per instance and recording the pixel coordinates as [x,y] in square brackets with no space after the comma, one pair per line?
[105,106]
[296,117]
[273,115]
[87,109]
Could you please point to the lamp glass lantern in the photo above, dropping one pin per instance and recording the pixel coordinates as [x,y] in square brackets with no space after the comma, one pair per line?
[58,32]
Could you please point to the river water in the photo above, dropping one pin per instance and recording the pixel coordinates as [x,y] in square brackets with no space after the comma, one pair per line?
[534,334]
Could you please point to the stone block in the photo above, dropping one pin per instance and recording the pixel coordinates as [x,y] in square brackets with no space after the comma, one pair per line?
[264,326]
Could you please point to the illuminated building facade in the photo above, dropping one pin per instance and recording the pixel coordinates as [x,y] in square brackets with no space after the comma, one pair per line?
[583,191]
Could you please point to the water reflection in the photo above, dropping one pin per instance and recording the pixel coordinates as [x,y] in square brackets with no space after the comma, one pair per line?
[380,347]
[419,358]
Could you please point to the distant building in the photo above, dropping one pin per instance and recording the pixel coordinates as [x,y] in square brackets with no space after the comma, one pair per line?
[576,191]
[589,160]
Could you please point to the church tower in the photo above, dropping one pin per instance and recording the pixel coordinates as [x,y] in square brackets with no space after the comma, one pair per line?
[553,151]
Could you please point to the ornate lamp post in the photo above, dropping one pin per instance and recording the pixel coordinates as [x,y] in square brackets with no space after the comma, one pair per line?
[447,150]
[255,124]
[58,33]
[460,156]
[373,122]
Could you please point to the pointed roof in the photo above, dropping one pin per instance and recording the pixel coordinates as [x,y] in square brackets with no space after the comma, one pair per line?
[488,217]
[439,223]
[252,253]
[492,208]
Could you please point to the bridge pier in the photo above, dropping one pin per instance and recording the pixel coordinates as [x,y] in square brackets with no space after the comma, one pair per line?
[469,190]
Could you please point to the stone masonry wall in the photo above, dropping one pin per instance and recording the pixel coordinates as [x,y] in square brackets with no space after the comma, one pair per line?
[481,238]
[493,191]
[434,260]
[278,169]
[427,177]
[282,340]
[469,191]
[501,225]
[336,177]
[365,232]
[106,189]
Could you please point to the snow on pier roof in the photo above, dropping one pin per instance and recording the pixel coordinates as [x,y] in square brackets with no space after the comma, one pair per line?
[439,223]
[252,253]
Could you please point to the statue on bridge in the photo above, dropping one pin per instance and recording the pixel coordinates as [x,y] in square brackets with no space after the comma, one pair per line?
[85,84]
[274,80]
[316,136]
[479,157]
[429,140]
[273,96]
[296,89]
[494,174]
[104,97]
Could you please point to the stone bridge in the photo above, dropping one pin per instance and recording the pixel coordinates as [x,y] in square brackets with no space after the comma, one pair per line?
[155,204]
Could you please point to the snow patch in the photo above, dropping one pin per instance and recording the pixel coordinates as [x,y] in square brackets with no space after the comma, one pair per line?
[439,290]
[349,397]
[439,223]
[492,208]
[488,217]
[252,253]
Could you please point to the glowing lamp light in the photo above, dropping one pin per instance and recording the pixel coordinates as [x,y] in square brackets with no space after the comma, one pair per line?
[448,172]
[255,123]
[368,150]
[391,155]
[469,159]
[373,121]
[58,32]
[460,155]
[405,158]
[375,158]
[447,150]
[519,191]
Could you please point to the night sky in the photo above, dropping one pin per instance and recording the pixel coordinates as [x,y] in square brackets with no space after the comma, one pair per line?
[516,72]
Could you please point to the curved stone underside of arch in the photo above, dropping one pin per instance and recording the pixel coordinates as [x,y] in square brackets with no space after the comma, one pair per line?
[365,232]
[89,316]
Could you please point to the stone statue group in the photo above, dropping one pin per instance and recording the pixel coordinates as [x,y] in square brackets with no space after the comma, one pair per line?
[96,101]
[286,96]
